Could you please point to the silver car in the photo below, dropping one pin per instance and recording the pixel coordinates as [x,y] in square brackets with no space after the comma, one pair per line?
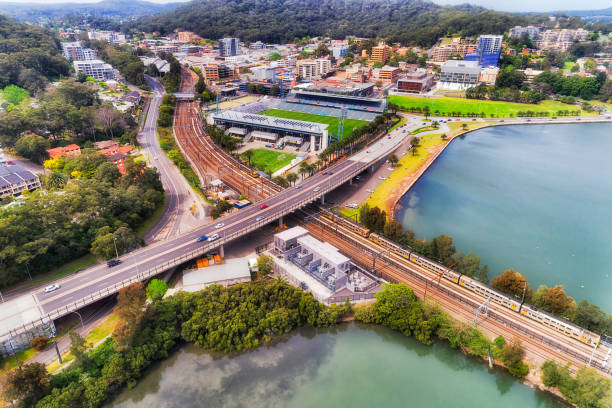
[52,288]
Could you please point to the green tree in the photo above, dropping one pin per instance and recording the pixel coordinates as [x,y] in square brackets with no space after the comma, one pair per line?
[78,348]
[26,384]
[248,155]
[15,95]
[554,300]
[33,147]
[130,302]
[264,264]
[513,283]
[156,289]
[292,178]
[393,159]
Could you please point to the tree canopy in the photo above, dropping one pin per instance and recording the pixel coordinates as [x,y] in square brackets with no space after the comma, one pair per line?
[29,56]
[406,21]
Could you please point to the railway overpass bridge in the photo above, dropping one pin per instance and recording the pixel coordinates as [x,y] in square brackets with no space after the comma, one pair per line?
[23,314]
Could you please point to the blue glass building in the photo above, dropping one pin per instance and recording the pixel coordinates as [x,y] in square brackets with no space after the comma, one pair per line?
[487,51]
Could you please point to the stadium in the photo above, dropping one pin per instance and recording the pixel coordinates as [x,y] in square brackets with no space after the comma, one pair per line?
[315,118]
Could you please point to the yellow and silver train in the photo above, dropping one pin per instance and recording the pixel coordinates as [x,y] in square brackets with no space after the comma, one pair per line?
[560,325]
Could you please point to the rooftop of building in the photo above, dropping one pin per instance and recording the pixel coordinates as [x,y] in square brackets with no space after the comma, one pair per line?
[231,269]
[14,174]
[291,233]
[271,122]
[461,66]
[323,249]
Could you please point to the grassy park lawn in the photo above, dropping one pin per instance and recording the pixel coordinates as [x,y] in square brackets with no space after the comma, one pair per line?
[499,109]
[332,121]
[406,166]
[270,160]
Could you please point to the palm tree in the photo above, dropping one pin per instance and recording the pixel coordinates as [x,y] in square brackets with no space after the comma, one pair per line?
[464,126]
[393,160]
[318,164]
[443,137]
[292,178]
[248,155]
[56,180]
[303,170]
[281,181]
[414,150]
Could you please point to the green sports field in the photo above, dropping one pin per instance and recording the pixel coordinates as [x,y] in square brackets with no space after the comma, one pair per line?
[349,124]
[465,106]
[270,160]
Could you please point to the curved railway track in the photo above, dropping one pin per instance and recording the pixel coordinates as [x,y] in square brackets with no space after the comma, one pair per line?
[206,156]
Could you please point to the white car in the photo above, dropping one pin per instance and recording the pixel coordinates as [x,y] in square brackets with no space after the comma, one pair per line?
[51,288]
[369,191]
[220,225]
[382,178]
[316,189]
[213,237]
[261,217]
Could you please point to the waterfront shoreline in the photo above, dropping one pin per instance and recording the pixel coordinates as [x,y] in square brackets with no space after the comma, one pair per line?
[403,186]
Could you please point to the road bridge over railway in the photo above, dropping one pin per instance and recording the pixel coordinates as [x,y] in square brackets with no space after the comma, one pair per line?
[26,312]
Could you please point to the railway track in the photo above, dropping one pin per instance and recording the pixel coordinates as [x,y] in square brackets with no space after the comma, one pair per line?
[540,342]
[206,156]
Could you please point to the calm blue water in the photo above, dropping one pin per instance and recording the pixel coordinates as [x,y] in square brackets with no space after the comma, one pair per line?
[534,198]
[353,366]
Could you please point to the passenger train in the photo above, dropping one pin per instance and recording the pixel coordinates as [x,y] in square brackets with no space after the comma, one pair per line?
[562,326]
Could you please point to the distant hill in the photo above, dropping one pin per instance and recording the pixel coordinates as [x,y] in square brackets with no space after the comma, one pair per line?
[103,9]
[604,15]
[408,21]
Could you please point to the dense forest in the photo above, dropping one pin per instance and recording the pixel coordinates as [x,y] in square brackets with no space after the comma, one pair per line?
[29,56]
[407,21]
[71,110]
[86,203]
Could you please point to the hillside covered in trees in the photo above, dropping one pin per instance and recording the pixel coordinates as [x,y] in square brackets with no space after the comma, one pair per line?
[29,56]
[408,21]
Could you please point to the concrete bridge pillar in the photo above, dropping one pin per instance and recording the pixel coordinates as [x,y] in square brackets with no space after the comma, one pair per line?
[222,251]
[351,181]
[323,199]
[280,222]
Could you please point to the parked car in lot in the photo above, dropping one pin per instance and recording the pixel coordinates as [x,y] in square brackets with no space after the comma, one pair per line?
[51,288]
[261,207]
[269,146]
[113,262]
[316,189]
[261,217]
[202,238]
[219,225]
[213,237]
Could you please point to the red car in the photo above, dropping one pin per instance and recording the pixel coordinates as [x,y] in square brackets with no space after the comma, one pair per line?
[261,207]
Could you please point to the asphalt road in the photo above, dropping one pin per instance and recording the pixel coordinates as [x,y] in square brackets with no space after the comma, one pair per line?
[177,216]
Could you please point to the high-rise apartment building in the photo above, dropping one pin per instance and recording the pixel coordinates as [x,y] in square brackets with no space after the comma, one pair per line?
[380,53]
[487,50]
[311,69]
[73,51]
[96,69]
[229,47]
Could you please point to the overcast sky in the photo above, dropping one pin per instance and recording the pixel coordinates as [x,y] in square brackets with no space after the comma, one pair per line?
[515,5]
[531,5]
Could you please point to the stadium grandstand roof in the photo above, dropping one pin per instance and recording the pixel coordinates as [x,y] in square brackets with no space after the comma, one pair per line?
[270,122]
[339,96]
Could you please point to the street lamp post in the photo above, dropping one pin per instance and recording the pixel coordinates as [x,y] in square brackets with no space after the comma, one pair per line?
[81,318]
[115,244]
